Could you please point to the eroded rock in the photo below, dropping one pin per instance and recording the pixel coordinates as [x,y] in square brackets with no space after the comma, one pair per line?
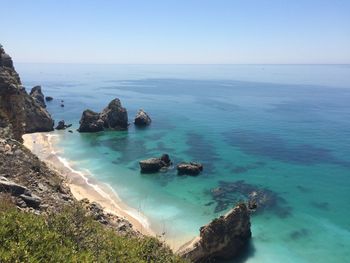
[190,168]
[38,96]
[142,118]
[223,238]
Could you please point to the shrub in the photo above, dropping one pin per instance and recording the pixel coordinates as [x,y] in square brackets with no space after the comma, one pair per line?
[71,236]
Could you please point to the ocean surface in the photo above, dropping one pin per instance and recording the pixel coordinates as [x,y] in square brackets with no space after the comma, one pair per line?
[282,131]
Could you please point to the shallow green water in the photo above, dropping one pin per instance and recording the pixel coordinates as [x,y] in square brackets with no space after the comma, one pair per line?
[281,129]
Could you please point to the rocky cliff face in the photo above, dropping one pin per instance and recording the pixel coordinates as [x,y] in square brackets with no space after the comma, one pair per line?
[19,112]
[223,238]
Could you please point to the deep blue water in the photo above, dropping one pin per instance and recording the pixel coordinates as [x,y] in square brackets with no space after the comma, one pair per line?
[281,130]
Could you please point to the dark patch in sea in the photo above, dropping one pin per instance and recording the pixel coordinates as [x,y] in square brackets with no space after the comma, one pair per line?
[274,147]
[297,234]
[242,169]
[130,150]
[321,205]
[155,136]
[261,199]
[201,151]
[303,189]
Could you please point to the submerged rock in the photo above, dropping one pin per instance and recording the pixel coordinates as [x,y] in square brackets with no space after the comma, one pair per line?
[142,118]
[258,198]
[191,168]
[114,116]
[38,96]
[48,98]
[90,122]
[224,238]
[154,165]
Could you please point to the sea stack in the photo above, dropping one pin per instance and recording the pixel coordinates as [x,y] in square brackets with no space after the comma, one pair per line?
[142,119]
[114,116]
[224,238]
[154,165]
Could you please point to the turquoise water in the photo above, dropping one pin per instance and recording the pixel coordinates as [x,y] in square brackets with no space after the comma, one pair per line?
[280,129]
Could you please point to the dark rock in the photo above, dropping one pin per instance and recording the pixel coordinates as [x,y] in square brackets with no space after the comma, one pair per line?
[142,118]
[48,98]
[114,116]
[224,238]
[61,125]
[31,200]
[62,105]
[90,122]
[166,159]
[12,188]
[189,168]
[153,165]
[38,96]
[70,131]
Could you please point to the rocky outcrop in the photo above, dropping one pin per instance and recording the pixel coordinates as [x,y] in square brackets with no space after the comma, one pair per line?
[62,125]
[154,165]
[114,116]
[142,119]
[90,122]
[19,112]
[191,168]
[48,98]
[38,96]
[224,238]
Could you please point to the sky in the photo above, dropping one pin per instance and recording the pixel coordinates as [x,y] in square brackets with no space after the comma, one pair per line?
[177,31]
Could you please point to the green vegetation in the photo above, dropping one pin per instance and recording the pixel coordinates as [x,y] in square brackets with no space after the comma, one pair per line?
[71,236]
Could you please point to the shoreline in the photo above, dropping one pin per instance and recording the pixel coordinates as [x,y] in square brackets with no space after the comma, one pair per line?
[82,184]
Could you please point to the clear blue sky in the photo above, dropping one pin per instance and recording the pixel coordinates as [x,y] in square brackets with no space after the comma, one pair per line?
[176,31]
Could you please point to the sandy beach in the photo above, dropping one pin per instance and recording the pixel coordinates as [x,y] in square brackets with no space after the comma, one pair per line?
[82,184]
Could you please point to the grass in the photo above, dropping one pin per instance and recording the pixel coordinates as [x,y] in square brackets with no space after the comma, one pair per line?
[71,236]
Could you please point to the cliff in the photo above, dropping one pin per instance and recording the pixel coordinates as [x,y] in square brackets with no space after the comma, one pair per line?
[19,112]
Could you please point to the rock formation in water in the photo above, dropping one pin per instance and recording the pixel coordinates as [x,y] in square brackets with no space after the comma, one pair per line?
[114,116]
[38,96]
[154,165]
[142,118]
[48,98]
[62,125]
[190,168]
[17,108]
[224,238]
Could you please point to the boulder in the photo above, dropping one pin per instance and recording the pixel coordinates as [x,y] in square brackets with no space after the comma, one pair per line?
[191,168]
[142,118]
[224,238]
[31,200]
[48,98]
[90,122]
[38,96]
[61,125]
[153,165]
[12,188]
[114,116]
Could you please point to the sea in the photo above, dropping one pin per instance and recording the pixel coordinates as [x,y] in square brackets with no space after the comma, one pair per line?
[279,132]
